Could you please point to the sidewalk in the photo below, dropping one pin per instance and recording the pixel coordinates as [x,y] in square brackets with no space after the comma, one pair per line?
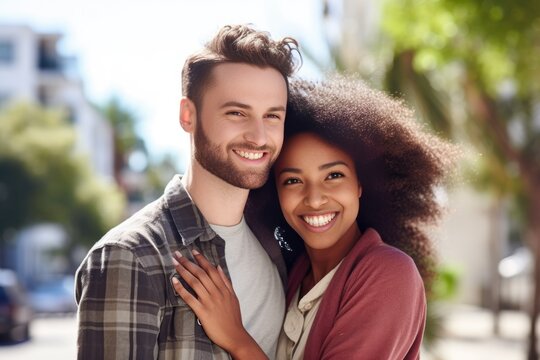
[468,334]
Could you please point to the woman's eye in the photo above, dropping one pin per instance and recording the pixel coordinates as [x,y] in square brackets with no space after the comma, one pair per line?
[334,175]
[291,181]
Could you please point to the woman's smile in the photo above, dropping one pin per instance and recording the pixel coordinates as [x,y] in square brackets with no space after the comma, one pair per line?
[319,220]
[318,192]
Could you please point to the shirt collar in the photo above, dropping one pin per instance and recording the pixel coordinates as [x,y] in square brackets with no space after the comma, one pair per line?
[187,218]
[317,291]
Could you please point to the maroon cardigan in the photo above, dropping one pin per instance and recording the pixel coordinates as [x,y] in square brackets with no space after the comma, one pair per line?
[374,307]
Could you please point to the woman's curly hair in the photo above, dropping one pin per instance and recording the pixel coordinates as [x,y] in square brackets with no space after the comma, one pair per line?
[399,164]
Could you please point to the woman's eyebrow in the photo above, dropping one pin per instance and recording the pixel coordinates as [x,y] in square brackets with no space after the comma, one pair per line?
[292,170]
[321,167]
[331,164]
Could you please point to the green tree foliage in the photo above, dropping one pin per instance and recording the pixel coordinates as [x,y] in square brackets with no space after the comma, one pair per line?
[126,140]
[17,189]
[484,56]
[123,122]
[43,179]
[494,45]
[493,36]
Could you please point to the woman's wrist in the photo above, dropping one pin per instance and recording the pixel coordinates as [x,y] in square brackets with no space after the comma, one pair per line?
[247,348]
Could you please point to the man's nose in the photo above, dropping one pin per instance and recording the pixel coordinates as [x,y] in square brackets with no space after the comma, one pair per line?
[256,132]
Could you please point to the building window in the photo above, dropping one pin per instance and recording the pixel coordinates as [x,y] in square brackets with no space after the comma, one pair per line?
[71,114]
[7,52]
[48,57]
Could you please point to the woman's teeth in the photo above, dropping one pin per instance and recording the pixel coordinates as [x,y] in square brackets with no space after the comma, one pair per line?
[319,220]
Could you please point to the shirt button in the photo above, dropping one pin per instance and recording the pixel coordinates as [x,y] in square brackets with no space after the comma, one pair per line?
[308,307]
[289,327]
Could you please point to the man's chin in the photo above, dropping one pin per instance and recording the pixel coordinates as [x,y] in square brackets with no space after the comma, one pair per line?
[250,181]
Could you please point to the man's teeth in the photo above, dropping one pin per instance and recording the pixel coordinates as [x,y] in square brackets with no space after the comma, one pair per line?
[250,155]
[319,220]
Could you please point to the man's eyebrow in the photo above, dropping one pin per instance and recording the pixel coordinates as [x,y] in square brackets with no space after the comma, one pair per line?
[277,108]
[247,107]
[235,104]
[322,167]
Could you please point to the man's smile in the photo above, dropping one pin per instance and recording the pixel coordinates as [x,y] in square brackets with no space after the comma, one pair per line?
[250,155]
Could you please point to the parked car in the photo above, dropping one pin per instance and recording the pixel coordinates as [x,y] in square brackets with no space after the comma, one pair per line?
[54,296]
[15,311]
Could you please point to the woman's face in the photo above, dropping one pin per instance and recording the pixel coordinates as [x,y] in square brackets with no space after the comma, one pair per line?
[318,192]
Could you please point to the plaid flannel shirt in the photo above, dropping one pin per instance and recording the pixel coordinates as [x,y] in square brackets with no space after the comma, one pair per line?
[127,306]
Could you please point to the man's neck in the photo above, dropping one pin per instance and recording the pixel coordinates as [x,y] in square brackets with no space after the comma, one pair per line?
[220,202]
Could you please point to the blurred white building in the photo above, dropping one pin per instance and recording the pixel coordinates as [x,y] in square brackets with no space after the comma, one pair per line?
[31,69]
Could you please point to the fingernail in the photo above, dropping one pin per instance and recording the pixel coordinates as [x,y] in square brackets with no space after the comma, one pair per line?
[195,252]
[175,281]
[176,263]
[178,254]
[219,268]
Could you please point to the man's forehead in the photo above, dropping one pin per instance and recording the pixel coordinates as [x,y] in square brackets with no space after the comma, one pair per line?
[244,85]
[242,73]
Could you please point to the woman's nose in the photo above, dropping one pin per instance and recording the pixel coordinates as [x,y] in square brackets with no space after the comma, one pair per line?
[315,197]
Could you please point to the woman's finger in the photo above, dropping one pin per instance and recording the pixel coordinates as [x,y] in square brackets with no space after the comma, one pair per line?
[210,269]
[225,279]
[192,280]
[197,272]
[189,299]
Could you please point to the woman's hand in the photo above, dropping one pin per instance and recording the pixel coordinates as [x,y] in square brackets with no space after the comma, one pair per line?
[215,305]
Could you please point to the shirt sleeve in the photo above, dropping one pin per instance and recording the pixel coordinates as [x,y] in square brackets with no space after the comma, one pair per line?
[382,313]
[118,316]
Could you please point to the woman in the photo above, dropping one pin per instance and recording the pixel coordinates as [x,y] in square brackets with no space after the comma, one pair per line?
[355,182]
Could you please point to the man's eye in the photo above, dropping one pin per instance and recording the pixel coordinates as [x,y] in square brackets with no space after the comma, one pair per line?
[234,113]
[274,116]
[334,175]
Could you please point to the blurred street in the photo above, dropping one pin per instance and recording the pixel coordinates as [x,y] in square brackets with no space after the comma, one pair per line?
[51,338]
[467,335]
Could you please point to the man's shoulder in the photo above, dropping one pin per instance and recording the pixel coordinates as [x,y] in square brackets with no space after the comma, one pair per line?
[141,241]
[145,225]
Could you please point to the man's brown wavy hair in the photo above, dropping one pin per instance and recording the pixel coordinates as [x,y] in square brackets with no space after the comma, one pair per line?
[400,165]
[237,44]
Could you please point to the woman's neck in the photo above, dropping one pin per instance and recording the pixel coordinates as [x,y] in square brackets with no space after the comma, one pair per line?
[324,260]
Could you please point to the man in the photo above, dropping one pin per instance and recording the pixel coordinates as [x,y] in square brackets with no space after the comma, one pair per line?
[234,110]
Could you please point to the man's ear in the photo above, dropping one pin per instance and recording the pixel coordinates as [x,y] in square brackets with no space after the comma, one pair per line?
[188,114]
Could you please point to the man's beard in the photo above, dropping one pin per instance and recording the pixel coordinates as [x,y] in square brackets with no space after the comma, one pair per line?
[210,157]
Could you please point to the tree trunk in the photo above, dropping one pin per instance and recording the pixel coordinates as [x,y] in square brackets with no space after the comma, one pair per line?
[498,232]
[533,235]
[533,350]
[2,248]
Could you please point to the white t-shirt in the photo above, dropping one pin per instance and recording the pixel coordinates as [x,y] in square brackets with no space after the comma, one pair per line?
[257,284]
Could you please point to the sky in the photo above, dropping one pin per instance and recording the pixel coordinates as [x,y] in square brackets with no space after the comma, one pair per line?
[135,49]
